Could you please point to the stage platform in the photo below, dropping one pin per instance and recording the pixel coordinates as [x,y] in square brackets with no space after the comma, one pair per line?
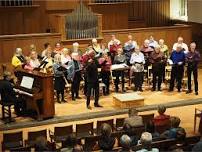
[77,111]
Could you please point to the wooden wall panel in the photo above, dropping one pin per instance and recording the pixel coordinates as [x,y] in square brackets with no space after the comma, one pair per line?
[8,44]
[153,12]
[169,34]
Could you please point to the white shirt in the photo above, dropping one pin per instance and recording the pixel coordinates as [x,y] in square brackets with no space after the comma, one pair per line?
[116,41]
[43,54]
[153,43]
[137,58]
[184,46]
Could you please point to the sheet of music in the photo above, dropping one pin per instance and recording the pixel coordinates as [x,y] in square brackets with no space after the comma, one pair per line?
[27,82]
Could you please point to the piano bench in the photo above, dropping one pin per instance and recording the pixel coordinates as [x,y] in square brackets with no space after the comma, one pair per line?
[6,110]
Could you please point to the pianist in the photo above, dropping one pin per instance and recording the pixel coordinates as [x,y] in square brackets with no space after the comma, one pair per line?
[8,94]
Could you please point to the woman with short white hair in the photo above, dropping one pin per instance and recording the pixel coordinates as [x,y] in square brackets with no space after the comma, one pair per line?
[18,59]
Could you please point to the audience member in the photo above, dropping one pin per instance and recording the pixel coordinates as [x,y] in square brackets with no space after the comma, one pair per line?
[146,141]
[175,131]
[106,141]
[125,142]
[41,145]
[184,46]
[162,119]
[197,147]
[69,144]
[78,148]
[150,127]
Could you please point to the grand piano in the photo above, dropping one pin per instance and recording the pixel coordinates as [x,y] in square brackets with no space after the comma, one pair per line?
[37,90]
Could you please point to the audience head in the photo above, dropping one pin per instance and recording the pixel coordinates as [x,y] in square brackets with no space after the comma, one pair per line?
[132,112]
[146,139]
[77,148]
[18,51]
[180,40]
[57,58]
[146,43]
[192,46]
[157,48]
[106,130]
[175,122]
[94,41]
[161,42]
[32,47]
[33,55]
[161,109]
[41,144]
[125,142]
[71,141]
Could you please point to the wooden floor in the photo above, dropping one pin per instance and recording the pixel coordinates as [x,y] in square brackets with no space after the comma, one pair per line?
[186,113]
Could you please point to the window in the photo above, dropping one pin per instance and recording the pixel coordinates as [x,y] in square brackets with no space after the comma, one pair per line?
[178,9]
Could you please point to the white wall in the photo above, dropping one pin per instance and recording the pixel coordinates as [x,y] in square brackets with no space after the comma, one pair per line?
[195,11]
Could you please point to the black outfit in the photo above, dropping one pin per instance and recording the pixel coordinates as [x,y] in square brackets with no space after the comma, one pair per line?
[106,143]
[106,80]
[119,60]
[8,95]
[92,82]
[192,59]
[76,81]
[158,61]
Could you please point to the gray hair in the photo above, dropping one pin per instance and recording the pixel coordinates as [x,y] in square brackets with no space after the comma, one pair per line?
[125,141]
[146,138]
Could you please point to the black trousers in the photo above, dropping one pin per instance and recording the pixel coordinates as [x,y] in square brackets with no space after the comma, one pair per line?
[76,84]
[117,80]
[193,70]
[157,76]
[95,88]
[163,72]
[106,80]
[176,75]
[138,80]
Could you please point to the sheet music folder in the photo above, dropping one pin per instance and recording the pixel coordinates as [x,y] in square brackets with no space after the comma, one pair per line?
[27,82]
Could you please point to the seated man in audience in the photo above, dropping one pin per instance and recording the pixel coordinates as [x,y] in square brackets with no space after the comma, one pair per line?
[41,144]
[18,59]
[184,45]
[177,58]
[113,45]
[106,141]
[129,48]
[69,143]
[162,119]
[175,131]
[131,123]
[125,142]
[152,43]
[146,141]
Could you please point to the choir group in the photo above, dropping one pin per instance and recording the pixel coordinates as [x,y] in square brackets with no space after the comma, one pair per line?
[74,65]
